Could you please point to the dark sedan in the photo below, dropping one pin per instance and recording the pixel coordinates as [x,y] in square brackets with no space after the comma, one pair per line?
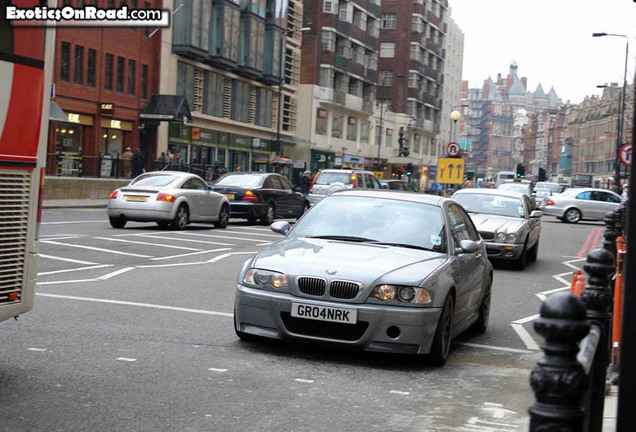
[261,196]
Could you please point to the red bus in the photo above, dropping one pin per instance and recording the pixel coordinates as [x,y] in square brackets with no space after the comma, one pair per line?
[26,56]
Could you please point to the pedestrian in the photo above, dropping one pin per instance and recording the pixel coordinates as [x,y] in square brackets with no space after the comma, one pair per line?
[614,187]
[126,161]
[625,194]
[137,163]
[237,167]
[480,184]
[305,183]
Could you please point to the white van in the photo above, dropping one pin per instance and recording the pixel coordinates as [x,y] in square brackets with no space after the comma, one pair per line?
[503,176]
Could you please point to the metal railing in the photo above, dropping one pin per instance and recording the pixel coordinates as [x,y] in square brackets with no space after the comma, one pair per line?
[569,381]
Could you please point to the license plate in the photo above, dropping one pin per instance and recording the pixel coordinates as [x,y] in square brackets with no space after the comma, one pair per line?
[324,313]
[135,198]
[230,196]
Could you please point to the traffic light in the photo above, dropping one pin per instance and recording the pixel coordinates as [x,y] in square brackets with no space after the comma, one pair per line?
[521,171]
[409,169]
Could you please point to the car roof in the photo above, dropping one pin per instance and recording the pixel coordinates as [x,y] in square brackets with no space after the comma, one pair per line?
[344,171]
[249,173]
[394,195]
[483,191]
[173,173]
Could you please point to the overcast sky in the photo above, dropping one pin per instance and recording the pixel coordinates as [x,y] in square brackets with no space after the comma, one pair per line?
[551,41]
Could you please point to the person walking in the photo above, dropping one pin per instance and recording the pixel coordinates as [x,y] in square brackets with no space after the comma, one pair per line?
[305,183]
[614,187]
[137,163]
[126,161]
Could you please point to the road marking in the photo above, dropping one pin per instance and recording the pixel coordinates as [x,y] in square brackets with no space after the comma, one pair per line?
[223,237]
[217,370]
[72,222]
[499,412]
[96,249]
[145,232]
[67,259]
[66,282]
[75,269]
[496,348]
[263,244]
[220,257]
[258,229]
[62,238]
[146,305]
[526,320]
[525,337]
[591,242]
[60,235]
[185,240]
[37,349]
[147,243]
[115,273]
[398,392]
[302,380]
[126,359]
[189,254]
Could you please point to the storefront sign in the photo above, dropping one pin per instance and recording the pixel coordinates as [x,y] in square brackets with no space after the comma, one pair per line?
[107,109]
[117,124]
[79,119]
[195,133]
[354,159]
[240,141]
[299,164]
[256,143]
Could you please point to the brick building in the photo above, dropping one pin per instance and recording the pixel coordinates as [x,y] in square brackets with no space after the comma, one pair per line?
[103,78]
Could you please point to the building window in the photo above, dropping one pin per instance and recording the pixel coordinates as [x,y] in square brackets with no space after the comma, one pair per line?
[252,42]
[355,87]
[328,41]
[360,20]
[144,81]
[225,28]
[336,126]
[120,75]
[322,117]
[108,72]
[326,77]
[132,72]
[346,11]
[386,78]
[352,129]
[264,99]
[389,21]
[90,68]
[240,101]
[185,81]
[413,80]
[79,64]
[387,49]
[415,52]
[65,61]
[330,6]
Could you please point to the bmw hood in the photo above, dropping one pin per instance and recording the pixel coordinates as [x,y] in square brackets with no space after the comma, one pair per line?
[494,223]
[333,259]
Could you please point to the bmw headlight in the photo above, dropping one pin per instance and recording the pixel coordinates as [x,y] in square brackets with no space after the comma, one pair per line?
[512,238]
[501,237]
[403,294]
[265,279]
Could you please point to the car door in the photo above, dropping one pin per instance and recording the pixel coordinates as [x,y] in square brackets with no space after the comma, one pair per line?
[194,198]
[466,273]
[372,182]
[210,202]
[360,181]
[608,201]
[274,190]
[586,203]
[296,200]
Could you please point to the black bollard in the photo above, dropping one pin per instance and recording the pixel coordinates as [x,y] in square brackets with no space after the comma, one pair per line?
[610,233]
[597,297]
[559,380]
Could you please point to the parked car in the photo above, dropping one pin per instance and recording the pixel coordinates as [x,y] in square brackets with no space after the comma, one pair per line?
[402,273]
[331,180]
[520,186]
[507,221]
[541,196]
[398,185]
[264,196]
[578,204]
[169,198]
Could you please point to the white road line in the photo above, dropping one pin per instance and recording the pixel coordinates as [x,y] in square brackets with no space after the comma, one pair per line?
[222,237]
[115,273]
[67,259]
[188,254]
[302,380]
[526,319]
[145,232]
[61,238]
[525,337]
[257,229]
[263,244]
[147,243]
[146,305]
[217,370]
[126,359]
[37,349]
[75,269]
[398,392]
[59,235]
[72,222]
[185,240]
[96,249]
[220,257]
[496,348]
[174,264]
[65,282]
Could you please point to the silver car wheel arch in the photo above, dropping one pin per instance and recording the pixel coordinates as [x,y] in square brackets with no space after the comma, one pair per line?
[573,220]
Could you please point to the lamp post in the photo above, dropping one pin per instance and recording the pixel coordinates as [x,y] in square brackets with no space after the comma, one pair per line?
[383,82]
[619,134]
[454,116]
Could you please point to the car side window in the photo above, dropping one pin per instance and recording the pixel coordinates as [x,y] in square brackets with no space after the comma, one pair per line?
[529,206]
[360,180]
[470,226]
[198,184]
[584,195]
[275,183]
[285,183]
[372,182]
[608,197]
[189,184]
[459,229]
[268,183]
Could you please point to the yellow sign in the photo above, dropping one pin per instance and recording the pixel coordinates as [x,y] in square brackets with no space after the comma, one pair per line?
[73,118]
[450,170]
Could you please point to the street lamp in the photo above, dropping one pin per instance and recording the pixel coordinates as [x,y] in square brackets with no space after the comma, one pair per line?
[619,135]
[382,115]
[455,115]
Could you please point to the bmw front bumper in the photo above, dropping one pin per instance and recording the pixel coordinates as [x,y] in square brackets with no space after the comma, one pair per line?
[380,328]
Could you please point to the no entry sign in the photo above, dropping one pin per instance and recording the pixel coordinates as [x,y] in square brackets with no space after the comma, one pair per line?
[626,155]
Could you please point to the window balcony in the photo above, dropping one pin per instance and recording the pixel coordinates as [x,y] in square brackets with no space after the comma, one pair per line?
[341,62]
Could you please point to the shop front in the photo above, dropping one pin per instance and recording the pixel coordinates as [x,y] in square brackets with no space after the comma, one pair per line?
[353,162]
[260,155]
[66,154]
[322,160]
[116,137]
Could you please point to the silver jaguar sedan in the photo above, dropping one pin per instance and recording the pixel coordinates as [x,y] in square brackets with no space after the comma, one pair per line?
[377,270]
[507,221]
[172,199]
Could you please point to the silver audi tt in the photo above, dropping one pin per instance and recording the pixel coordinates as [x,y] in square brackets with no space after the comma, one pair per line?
[382,271]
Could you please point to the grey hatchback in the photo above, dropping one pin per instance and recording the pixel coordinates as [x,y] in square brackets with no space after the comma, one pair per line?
[396,272]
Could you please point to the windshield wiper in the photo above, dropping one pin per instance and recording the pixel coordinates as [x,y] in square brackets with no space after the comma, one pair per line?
[404,245]
[344,238]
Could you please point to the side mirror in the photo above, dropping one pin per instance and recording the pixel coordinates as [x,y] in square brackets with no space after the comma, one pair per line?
[280,227]
[536,214]
[467,246]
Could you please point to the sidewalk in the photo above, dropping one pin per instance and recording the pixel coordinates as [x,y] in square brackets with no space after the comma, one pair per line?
[609,412]
[74,203]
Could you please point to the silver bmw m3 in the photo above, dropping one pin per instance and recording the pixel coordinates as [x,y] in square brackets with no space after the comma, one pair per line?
[382,271]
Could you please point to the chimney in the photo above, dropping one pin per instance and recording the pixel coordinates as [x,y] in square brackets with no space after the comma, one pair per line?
[524,80]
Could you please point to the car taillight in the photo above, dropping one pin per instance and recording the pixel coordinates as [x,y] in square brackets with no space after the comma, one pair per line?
[549,202]
[166,197]
[250,196]
[113,195]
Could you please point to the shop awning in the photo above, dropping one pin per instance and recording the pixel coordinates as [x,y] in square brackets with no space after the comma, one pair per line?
[56,113]
[167,108]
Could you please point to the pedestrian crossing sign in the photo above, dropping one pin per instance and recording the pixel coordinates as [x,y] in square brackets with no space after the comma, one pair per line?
[450,170]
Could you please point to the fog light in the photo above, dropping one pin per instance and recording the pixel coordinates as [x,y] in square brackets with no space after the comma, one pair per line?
[393,332]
